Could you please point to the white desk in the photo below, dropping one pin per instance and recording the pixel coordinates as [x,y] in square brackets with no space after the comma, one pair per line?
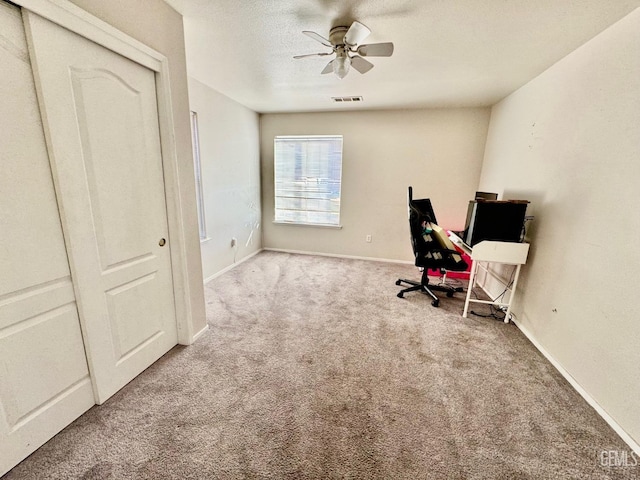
[510,253]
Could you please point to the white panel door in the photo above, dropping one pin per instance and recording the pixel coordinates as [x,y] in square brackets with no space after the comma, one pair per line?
[102,126]
[44,378]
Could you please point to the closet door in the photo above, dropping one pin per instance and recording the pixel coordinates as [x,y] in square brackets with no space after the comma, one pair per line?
[102,126]
[44,379]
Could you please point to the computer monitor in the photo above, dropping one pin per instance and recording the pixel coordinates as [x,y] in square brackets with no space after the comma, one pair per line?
[497,220]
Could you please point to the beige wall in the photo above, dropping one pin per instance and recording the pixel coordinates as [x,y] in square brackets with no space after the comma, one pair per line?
[157,25]
[229,155]
[570,142]
[438,152]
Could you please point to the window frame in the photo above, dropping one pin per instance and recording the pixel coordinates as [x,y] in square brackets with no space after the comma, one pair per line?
[197,169]
[302,223]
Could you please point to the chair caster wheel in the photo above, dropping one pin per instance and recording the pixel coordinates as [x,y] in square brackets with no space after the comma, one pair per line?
[435,303]
[449,294]
[398,282]
[400,295]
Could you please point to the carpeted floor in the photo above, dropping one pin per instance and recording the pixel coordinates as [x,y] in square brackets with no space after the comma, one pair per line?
[313,368]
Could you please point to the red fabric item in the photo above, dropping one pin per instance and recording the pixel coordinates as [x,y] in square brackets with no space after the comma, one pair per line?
[467,272]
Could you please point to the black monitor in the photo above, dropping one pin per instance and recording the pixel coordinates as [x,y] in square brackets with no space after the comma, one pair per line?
[497,220]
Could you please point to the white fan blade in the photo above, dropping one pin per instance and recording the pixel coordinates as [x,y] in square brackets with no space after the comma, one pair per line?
[318,38]
[357,33]
[312,55]
[328,68]
[376,50]
[360,64]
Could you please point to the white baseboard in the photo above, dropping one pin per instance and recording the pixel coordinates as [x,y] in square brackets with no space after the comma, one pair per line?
[200,333]
[337,255]
[230,267]
[583,393]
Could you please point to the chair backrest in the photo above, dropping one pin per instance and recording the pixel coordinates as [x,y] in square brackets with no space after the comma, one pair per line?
[428,249]
[422,206]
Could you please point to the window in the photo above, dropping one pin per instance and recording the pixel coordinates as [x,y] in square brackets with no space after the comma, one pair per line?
[195,138]
[308,172]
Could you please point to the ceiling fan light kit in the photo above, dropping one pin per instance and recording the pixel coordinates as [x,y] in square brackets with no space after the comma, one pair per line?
[341,64]
[345,43]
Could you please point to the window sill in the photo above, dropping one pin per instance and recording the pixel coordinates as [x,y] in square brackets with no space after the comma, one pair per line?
[204,240]
[316,225]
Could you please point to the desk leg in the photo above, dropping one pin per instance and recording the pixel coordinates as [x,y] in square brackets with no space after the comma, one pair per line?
[472,279]
[512,294]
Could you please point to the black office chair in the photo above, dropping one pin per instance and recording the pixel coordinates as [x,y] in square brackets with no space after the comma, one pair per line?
[431,249]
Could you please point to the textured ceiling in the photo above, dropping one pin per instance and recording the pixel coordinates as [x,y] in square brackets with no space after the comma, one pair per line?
[448,53]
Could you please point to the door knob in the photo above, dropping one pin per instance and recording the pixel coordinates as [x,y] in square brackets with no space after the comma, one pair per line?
[162,242]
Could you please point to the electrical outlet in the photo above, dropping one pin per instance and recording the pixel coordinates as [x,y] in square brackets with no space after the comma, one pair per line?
[234,241]
[368,238]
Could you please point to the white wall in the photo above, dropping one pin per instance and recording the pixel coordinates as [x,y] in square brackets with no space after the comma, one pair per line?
[570,142]
[157,25]
[229,155]
[438,152]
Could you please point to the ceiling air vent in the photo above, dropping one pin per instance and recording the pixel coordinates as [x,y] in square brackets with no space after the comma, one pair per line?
[346,99]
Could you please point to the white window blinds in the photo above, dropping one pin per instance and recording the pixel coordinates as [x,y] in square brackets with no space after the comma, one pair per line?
[308,173]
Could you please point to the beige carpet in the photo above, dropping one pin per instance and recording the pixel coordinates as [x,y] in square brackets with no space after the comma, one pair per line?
[313,368]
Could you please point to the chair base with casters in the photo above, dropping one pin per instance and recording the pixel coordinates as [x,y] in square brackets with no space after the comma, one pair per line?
[427,288]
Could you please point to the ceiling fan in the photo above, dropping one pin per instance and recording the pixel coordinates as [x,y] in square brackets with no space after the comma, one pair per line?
[345,43]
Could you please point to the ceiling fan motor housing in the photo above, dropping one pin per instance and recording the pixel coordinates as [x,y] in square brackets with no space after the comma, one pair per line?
[336,35]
